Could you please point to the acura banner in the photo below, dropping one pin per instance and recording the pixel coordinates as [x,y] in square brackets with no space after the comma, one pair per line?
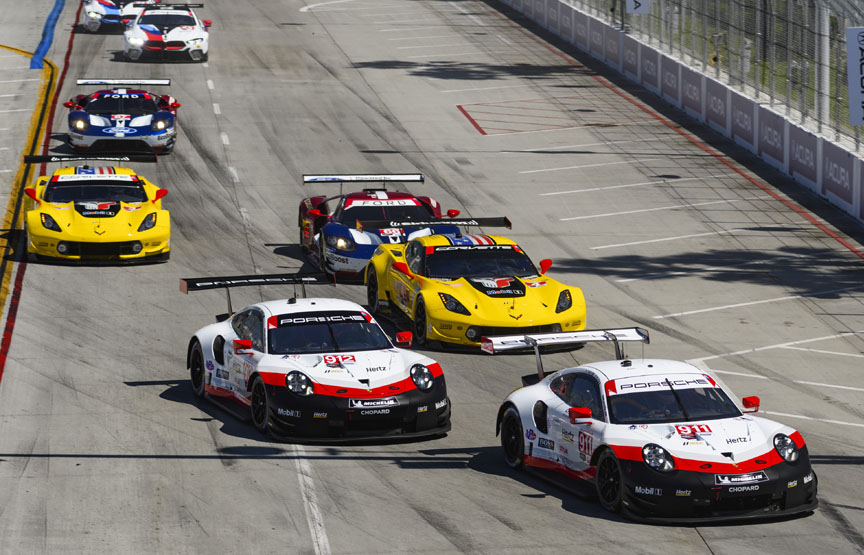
[855,69]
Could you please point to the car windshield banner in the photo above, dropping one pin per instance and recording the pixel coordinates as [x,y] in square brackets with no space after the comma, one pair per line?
[323,317]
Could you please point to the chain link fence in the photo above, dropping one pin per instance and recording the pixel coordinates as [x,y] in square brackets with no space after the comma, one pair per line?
[790,54]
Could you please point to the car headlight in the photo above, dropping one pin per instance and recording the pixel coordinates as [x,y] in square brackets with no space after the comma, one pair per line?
[195,41]
[148,223]
[453,305]
[422,377]
[94,15]
[48,222]
[299,383]
[341,243]
[658,458]
[80,124]
[786,448]
[565,301]
[160,124]
[136,41]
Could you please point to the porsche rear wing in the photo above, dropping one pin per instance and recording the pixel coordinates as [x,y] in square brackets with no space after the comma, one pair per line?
[126,82]
[501,343]
[363,178]
[188,285]
[76,158]
[470,222]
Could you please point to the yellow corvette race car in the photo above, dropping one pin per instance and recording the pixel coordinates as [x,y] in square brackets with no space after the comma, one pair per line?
[96,213]
[458,289]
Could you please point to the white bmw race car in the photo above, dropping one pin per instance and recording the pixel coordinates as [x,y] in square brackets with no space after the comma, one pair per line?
[168,29]
[659,439]
[112,12]
[315,369]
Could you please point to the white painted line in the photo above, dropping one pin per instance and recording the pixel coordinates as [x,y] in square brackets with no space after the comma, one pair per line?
[5,171]
[398,12]
[603,164]
[605,143]
[778,346]
[619,124]
[594,189]
[820,351]
[709,269]
[310,502]
[210,84]
[8,95]
[410,29]
[18,110]
[488,88]
[312,6]
[472,17]
[216,109]
[225,140]
[663,239]
[753,303]
[421,38]
[811,418]
[675,207]
[420,20]
[19,80]
[205,64]
[445,56]
[505,41]
[370,8]
[4,148]
[461,45]
[739,374]
[234,176]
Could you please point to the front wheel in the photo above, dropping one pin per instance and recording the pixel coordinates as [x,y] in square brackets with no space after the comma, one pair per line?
[372,291]
[197,374]
[260,406]
[420,323]
[610,488]
[512,440]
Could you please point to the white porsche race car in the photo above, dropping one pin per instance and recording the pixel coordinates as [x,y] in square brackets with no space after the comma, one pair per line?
[112,12]
[315,369]
[168,29]
[659,439]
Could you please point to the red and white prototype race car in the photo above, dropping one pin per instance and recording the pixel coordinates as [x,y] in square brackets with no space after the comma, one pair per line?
[659,439]
[315,369]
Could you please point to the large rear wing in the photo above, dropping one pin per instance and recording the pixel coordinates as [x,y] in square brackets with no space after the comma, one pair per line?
[126,82]
[363,178]
[470,222]
[37,159]
[502,343]
[188,285]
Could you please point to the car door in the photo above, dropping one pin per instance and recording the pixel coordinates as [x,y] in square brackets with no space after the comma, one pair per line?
[404,287]
[577,439]
[241,363]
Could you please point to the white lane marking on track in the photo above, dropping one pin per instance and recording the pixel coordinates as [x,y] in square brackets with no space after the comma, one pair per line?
[820,351]
[488,89]
[471,16]
[17,110]
[663,239]
[5,171]
[599,165]
[234,176]
[8,95]
[216,109]
[18,80]
[594,189]
[804,382]
[310,502]
[225,140]
[445,56]
[776,346]
[421,38]
[210,84]
[812,418]
[675,207]
[708,269]
[505,41]
[461,45]
[753,303]
[205,64]
[419,20]
[409,29]
[312,6]
[605,143]
[622,124]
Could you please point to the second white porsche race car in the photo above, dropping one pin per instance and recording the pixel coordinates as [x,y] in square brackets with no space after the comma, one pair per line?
[316,368]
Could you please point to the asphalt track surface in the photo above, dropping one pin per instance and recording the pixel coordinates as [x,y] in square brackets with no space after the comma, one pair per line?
[102,446]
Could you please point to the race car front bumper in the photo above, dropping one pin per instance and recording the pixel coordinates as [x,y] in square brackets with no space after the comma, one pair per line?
[451,327]
[327,418]
[348,264]
[691,497]
[179,49]
[145,245]
[158,141]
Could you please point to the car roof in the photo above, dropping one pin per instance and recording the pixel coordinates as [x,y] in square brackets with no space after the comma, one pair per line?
[442,240]
[644,367]
[313,304]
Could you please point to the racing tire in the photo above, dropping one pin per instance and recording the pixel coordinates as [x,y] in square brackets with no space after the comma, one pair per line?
[197,374]
[260,406]
[372,299]
[322,266]
[512,438]
[610,487]
[420,322]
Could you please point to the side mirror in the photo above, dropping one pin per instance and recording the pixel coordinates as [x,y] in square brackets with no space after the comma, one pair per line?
[317,213]
[159,194]
[545,264]
[207,23]
[127,22]
[452,213]
[70,104]
[404,339]
[242,346]
[31,192]
[751,402]
[174,105]
[579,413]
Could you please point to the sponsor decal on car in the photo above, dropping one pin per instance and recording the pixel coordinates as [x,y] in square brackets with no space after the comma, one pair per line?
[808,478]
[210,365]
[563,449]
[586,443]
[376,369]
[693,429]
[736,440]
[289,412]
[546,443]
[644,490]
[374,412]
[318,414]
[731,479]
[424,408]
[683,492]
[792,484]
[119,130]
[372,403]
[441,404]
[535,283]
[738,489]
[568,436]
[530,435]
[339,359]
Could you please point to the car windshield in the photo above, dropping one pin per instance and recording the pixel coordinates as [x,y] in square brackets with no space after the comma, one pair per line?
[166,20]
[134,104]
[94,192]
[332,337]
[122,3]
[478,263]
[371,213]
[660,406]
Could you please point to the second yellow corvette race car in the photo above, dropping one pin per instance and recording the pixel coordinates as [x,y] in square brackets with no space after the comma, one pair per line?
[83,213]
[459,288]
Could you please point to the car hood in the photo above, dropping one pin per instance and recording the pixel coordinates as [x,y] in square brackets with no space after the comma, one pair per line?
[102,220]
[167,34]
[522,299]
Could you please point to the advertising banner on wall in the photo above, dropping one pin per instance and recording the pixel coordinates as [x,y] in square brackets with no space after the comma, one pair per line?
[595,30]
[580,25]
[837,172]
[691,91]
[630,56]
[669,79]
[855,69]
[612,38]
[716,109]
[743,124]
[802,154]
[650,68]
[638,6]
[771,139]
[565,22]
[552,15]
